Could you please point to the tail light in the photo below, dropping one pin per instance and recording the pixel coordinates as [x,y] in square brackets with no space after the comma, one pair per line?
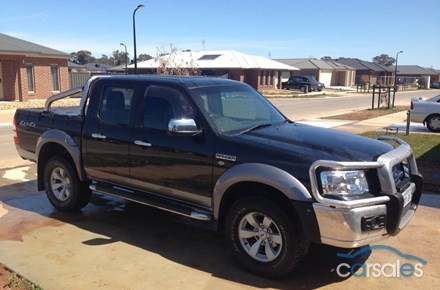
[14,129]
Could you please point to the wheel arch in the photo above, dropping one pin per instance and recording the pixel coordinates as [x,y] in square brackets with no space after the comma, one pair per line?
[429,116]
[254,179]
[428,125]
[57,143]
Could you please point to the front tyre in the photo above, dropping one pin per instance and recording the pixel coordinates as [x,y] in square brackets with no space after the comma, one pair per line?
[63,188]
[264,239]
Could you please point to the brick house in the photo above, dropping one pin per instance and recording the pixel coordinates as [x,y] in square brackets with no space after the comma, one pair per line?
[369,72]
[414,76]
[30,71]
[330,73]
[259,72]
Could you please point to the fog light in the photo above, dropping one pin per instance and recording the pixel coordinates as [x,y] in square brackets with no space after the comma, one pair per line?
[373,222]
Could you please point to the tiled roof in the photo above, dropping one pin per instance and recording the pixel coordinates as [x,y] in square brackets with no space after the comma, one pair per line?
[12,45]
[312,63]
[365,65]
[71,64]
[414,70]
[217,59]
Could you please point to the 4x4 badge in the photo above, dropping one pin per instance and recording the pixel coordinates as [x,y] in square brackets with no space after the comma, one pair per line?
[225,157]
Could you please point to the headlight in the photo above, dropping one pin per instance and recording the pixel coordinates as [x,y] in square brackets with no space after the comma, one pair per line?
[338,182]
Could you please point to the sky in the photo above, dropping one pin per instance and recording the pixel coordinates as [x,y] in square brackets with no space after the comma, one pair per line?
[274,29]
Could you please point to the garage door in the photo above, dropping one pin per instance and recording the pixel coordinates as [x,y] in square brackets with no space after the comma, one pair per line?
[326,78]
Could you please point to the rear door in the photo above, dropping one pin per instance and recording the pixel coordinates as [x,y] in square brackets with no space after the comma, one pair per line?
[106,134]
[178,167]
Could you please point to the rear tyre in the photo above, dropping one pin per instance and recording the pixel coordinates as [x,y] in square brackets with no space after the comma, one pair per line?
[63,188]
[433,123]
[263,238]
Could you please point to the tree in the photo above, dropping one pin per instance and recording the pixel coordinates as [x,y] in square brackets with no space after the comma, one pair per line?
[384,59]
[82,57]
[327,58]
[144,57]
[119,57]
[104,59]
[171,63]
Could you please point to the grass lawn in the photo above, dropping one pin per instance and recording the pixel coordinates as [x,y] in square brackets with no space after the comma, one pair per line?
[426,147]
[367,113]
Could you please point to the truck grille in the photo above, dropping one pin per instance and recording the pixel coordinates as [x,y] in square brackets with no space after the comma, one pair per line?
[401,175]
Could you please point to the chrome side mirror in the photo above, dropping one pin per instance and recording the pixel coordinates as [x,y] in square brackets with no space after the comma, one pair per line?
[183,127]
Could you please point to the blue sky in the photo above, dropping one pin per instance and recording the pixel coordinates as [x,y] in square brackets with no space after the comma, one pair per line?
[279,29]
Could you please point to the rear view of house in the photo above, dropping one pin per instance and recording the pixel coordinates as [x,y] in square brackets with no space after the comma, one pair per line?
[29,70]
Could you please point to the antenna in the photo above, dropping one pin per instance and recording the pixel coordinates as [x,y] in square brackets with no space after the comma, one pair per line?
[203,44]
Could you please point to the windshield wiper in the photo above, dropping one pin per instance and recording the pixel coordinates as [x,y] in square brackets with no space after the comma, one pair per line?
[285,121]
[254,128]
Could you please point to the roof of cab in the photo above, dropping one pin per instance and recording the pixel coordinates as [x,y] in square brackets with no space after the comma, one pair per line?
[187,81]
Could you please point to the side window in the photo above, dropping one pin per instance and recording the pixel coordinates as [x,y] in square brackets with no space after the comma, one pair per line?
[116,104]
[163,104]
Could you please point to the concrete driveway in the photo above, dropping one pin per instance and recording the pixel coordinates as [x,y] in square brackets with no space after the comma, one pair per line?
[114,244]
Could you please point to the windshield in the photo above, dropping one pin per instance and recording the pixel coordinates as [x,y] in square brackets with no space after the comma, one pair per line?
[236,108]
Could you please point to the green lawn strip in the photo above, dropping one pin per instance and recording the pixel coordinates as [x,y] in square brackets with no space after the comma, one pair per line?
[425,147]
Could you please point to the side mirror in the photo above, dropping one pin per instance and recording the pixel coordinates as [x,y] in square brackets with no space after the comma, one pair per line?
[183,127]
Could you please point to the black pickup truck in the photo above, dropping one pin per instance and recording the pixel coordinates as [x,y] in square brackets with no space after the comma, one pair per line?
[215,150]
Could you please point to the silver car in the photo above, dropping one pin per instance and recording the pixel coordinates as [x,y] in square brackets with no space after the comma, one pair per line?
[426,111]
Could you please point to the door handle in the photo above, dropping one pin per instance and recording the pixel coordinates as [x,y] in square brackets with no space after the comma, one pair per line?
[98,136]
[142,143]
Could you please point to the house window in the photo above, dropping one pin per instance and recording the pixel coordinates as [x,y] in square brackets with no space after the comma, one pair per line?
[55,77]
[30,77]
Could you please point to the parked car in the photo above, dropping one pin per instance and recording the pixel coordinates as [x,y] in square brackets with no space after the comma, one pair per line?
[426,111]
[303,83]
[321,86]
[435,85]
[216,151]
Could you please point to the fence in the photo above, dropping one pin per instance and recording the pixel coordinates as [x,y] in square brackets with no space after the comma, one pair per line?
[78,79]
[408,82]
[383,96]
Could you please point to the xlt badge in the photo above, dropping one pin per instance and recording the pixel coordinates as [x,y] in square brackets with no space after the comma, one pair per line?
[225,157]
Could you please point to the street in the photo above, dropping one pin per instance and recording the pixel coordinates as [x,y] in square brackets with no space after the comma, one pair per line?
[8,153]
[299,109]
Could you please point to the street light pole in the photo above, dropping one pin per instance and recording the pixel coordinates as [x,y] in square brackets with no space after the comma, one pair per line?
[134,36]
[395,68]
[125,56]
[395,78]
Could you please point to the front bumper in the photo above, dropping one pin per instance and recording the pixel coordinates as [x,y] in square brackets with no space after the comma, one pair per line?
[356,223]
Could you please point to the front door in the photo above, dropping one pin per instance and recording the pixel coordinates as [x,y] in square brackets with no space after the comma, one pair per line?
[2,94]
[178,167]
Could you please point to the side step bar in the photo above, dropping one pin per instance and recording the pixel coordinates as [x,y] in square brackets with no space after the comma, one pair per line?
[152,201]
